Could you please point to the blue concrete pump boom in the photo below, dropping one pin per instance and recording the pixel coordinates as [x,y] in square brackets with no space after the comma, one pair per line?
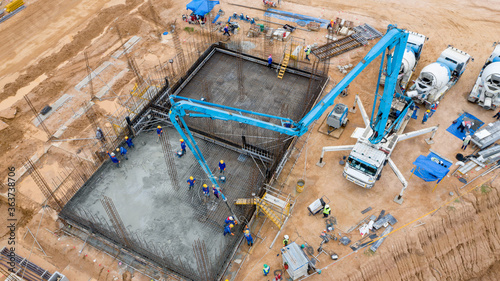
[395,39]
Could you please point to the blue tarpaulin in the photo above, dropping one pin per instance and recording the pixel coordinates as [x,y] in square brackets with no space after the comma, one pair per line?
[453,129]
[428,168]
[201,7]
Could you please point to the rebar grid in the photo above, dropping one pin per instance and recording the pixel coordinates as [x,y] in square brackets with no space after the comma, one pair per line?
[114,217]
[39,180]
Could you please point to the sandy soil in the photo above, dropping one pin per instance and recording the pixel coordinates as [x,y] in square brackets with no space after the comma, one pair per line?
[42,55]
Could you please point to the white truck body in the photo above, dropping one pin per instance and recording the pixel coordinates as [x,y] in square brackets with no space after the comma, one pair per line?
[486,91]
[366,160]
[438,77]
[410,58]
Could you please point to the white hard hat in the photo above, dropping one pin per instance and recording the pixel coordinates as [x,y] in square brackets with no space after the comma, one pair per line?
[327,206]
[437,102]
[231,218]
[112,154]
[286,237]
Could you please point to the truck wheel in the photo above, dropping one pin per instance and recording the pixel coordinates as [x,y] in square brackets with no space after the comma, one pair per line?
[379,175]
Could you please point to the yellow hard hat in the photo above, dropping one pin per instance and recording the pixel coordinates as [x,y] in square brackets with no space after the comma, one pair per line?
[246,231]
[205,185]
[117,149]
[222,161]
[181,140]
[159,127]
[231,225]
[126,137]
[191,178]
[428,110]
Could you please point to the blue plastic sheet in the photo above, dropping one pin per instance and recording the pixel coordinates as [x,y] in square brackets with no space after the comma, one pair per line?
[201,7]
[453,129]
[427,169]
[288,16]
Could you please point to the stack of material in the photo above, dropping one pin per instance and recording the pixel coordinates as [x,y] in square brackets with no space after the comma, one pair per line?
[343,27]
[254,31]
[281,34]
[487,136]
[483,158]
[313,26]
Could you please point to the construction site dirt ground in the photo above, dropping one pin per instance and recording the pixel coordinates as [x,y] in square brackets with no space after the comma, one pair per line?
[42,54]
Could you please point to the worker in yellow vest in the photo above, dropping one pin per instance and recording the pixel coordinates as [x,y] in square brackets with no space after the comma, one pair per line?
[326,211]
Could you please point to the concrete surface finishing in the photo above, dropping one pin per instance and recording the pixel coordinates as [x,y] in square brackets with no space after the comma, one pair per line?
[171,219]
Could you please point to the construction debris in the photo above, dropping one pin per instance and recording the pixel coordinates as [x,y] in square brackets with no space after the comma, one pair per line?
[377,243]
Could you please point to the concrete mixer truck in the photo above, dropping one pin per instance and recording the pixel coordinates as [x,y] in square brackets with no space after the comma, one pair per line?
[438,77]
[410,59]
[486,91]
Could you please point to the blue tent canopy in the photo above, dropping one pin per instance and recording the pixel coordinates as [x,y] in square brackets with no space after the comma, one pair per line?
[201,7]
[427,169]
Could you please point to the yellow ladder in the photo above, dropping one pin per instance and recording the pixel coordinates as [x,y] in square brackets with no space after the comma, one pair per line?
[245,201]
[284,64]
[269,212]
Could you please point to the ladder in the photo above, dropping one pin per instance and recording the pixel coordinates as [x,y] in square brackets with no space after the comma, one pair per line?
[262,205]
[283,66]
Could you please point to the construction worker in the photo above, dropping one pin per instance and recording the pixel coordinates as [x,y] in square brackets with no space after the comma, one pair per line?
[426,116]
[227,229]
[183,146]
[465,125]
[226,30]
[270,61]
[497,116]
[434,107]
[159,131]
[216,192]
[114,159]
[330,25]
[123,152]
[222,166]
[191,182]
[230,220]
[248,236]
[286,240]
[129,142]
[206,190]
[326,211]
[466,141]
[100,135]
[308,52]
[266,269]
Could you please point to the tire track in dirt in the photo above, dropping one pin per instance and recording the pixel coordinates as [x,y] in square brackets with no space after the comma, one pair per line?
[79,42]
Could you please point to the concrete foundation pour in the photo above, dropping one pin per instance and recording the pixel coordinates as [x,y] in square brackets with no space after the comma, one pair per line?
[170,219]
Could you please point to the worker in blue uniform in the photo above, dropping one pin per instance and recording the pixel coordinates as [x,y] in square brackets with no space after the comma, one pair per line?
[222,166]
[426,116]
[129,142]
[113,158]
[270,61]
[183,146]
[230,220]
[206,190]
[216,192]
[191,182]
[159,131]
[248,236]
[227,229]
[123,152]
